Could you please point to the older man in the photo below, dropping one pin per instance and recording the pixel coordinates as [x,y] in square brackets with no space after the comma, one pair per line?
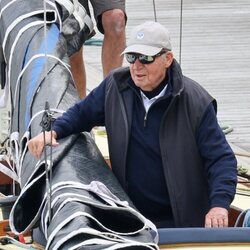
[166,146]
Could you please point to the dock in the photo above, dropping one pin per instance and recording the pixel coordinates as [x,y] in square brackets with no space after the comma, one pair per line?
[211,41]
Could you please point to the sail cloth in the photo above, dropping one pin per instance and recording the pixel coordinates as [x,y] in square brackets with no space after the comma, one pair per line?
[89,209]
[88,205]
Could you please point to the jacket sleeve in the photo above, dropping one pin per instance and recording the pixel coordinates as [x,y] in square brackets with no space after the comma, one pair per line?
[219,161]
[84,115]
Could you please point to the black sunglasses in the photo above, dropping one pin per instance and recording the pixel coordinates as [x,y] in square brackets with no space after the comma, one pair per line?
[144,59]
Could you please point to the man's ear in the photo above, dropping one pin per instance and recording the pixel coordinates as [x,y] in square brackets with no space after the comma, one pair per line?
[170,58]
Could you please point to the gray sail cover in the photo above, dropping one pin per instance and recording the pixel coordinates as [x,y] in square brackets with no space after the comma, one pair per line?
[78,204]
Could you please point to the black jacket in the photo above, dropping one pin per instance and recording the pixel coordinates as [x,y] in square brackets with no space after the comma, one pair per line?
[194,186]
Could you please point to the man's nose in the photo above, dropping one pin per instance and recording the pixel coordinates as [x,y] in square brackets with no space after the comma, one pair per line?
[137,63]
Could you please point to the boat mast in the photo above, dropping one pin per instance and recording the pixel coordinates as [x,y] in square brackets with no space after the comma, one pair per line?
[180,28]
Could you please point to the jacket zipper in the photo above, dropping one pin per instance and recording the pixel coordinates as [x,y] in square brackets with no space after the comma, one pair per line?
[145,119]
[146,112]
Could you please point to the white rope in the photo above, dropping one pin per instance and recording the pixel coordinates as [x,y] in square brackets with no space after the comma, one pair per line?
[17,21]
[14,137]
[83,18]
[67,4]
[104,193]
[5,96]
[40,113]
[33,58]
[6,6]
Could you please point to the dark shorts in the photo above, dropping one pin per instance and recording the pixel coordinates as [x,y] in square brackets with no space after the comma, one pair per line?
[100,6]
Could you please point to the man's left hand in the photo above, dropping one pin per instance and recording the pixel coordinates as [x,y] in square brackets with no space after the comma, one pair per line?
[217,217]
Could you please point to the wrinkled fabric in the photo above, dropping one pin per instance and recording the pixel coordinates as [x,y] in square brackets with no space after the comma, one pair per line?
[82,205]
[71,194]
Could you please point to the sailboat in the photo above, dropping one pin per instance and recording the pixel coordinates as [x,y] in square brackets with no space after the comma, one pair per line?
[70,195]
[60,196]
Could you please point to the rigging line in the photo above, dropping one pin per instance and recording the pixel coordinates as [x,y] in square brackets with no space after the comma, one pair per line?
[45,38]
[47,169]
[181,12]
[154,11]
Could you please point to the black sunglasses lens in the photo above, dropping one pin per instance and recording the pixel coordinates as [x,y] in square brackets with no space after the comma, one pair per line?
[131,58]
[146,59]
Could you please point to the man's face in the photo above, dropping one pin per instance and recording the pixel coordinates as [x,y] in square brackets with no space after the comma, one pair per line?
[149,76]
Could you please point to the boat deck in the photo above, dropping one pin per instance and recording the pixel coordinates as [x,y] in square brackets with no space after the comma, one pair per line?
[214,51]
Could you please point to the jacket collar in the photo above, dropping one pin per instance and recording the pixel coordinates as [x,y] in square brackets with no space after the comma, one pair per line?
[122,78]
[175,78]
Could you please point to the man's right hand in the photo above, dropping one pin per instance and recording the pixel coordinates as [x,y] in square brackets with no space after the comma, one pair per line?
[36,144]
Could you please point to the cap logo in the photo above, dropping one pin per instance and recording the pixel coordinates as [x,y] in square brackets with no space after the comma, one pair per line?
[140,35]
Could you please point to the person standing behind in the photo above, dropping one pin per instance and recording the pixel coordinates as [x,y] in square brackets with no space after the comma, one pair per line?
[111,20]
[166,147]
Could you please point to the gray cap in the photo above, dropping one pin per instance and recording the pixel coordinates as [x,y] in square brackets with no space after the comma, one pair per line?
[148,38]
